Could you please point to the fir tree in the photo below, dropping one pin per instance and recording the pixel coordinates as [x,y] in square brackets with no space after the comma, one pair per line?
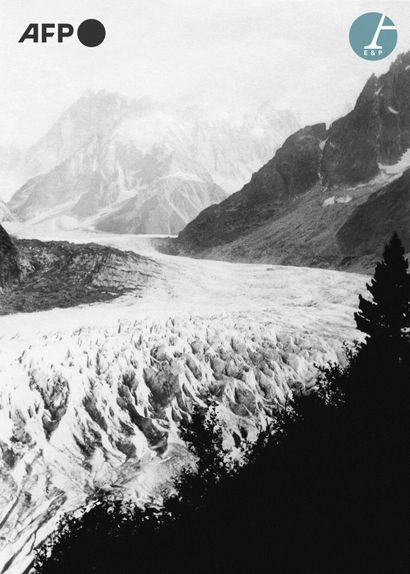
[386,319]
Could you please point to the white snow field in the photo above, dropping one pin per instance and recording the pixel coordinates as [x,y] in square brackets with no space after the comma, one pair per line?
[91,397]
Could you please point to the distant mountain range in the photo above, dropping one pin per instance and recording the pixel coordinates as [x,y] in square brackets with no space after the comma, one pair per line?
[139,167]
[328,197]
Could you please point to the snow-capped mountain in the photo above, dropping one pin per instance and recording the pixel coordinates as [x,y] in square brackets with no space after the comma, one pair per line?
[141,167]
[92,115]
[330,196]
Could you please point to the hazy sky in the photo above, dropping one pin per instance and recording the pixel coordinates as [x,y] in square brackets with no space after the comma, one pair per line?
[295,53]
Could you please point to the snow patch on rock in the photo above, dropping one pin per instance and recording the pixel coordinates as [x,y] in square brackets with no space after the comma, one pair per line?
[344,199]
[329,201]
[397,168]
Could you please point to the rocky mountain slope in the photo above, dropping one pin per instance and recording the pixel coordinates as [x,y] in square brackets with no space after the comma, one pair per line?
[307,204]
[370,224]
[10,272]
[140,167]
[290,173]
[37,275]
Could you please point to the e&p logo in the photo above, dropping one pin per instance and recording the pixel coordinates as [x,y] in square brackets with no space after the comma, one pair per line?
[91,32]
[373,36]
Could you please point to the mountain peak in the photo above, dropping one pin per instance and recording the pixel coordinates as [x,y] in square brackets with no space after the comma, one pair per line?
[376,132]
[137,166]
[284,205]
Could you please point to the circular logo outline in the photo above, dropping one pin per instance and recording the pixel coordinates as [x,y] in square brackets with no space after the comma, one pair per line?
[373,36]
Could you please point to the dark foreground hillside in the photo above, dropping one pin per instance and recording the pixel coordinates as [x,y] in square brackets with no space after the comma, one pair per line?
[330,498]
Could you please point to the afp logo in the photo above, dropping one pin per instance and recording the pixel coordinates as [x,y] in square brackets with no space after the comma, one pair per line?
[91,33]
[373,36]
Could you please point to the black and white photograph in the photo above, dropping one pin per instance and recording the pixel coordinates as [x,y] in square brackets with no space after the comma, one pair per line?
[204,286]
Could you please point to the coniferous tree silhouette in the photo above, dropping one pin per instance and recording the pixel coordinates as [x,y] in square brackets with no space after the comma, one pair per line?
[381,366]
[386,318]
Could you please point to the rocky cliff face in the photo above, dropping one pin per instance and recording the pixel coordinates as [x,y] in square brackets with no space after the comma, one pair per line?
[340,168]
[9,261]
[376,132]
[172,163]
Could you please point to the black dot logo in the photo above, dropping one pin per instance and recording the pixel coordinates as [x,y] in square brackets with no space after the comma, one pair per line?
[91,33]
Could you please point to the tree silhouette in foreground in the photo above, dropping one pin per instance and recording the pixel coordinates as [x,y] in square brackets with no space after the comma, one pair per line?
[386,318]
[381,365]
[325,491]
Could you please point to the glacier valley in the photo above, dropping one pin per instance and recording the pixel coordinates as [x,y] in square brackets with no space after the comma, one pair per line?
[91,396]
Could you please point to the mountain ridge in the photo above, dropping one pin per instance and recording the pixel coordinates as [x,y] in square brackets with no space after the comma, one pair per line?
[172,162]
[360,153]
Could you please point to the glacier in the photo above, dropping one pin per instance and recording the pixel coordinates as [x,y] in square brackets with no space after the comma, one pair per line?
[91,397]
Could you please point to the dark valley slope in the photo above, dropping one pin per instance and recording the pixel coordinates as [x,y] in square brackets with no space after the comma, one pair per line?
[328,197]
[37,275]
[9,262]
